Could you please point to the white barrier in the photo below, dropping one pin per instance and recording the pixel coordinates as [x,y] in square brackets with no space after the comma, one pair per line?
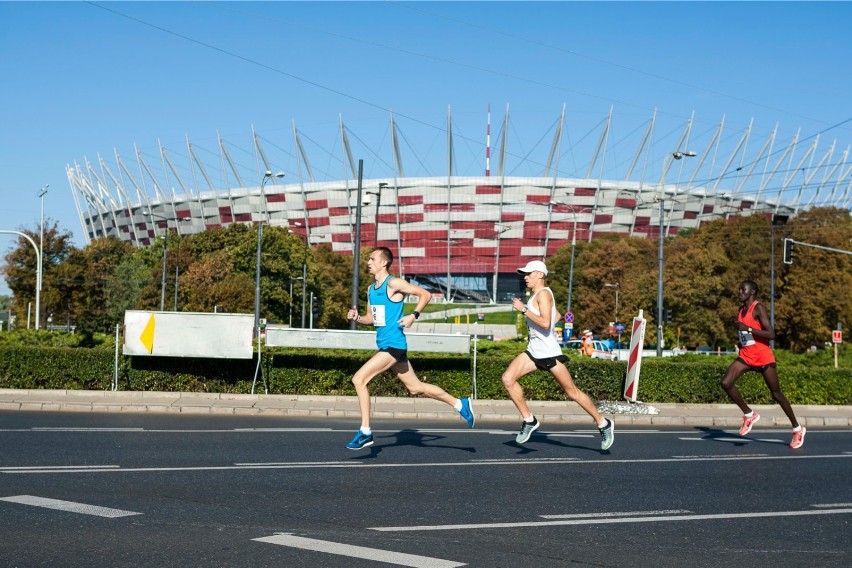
[346,339]
[634,359]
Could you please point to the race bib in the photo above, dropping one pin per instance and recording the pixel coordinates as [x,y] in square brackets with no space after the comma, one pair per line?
[746,339]
[378,316]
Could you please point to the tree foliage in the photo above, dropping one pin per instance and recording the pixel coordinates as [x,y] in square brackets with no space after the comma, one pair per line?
[92,287]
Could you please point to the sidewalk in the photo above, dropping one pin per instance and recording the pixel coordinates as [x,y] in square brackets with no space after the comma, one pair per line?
[409,408]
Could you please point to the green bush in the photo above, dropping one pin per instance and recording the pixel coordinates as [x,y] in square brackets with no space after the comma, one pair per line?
[686,379]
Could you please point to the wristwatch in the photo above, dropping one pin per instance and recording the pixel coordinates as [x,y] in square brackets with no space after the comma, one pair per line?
[416,314]
[524,310]
[749,330]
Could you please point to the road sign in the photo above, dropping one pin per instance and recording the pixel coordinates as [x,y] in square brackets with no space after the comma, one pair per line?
[837,336]
[569,317]
[619,328]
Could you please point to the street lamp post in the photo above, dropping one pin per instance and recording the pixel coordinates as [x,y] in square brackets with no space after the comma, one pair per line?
[38,266]
[617,286]
[776,220]
[677,155]
[291,297]
[163,282]
[41,195]
[266,176]
[378,195]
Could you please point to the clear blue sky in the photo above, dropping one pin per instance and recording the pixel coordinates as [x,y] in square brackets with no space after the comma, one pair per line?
[81,79]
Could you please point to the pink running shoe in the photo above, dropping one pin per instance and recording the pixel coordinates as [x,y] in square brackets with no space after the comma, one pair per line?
[748,423]
[798,438]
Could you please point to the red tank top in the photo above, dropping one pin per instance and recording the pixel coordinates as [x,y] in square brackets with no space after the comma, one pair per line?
[755,351]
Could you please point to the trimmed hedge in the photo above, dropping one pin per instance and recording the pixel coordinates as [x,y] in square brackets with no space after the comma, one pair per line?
[329,372]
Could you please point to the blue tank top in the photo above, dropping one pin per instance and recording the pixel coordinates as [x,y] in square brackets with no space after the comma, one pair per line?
[386,315]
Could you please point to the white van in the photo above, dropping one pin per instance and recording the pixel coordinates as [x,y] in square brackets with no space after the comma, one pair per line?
[600,350]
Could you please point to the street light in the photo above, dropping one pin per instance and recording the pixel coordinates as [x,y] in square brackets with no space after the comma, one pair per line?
[291,297]
[776,220]
[41,195]
[151,214]
[266,176]
[38,268]
[617,286]
[378,195]
[677,155]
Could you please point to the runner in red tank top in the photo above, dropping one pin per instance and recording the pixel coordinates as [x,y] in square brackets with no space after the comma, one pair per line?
[755,330]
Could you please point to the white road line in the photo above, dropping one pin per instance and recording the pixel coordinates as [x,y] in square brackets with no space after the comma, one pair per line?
[31,467]
[82,429]
[624,514]
[723,456]
[359,465]
[831,505]
[734,440]
[752,515]
[352,551]
[68,506]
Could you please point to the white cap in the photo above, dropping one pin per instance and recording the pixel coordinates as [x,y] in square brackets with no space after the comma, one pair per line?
[588,332]
[532,266]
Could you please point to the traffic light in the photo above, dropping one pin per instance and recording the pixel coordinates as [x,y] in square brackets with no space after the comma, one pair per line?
[315,309]
[668,315]
[788,251]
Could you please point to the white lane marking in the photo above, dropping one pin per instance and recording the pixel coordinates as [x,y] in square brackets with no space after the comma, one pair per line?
[659,519]
[735,440]
[615,514]
[831,505]
[278,430]
[83,429]
[291,463]
[348,465]
[31,467]
[524,460]
[723,456]
[68,506]
[352,551]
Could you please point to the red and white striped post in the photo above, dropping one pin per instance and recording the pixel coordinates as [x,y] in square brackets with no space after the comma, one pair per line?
[634,359]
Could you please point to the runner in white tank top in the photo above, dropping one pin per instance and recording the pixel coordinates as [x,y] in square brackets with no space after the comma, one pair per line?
[544,352]
[542,341]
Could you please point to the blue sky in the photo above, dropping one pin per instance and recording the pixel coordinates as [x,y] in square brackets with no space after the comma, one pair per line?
[81,79]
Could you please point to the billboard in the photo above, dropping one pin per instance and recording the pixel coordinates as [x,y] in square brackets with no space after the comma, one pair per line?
[188,334]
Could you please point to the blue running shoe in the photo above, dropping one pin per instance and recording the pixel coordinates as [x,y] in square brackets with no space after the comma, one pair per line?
[467,412]
[361,440]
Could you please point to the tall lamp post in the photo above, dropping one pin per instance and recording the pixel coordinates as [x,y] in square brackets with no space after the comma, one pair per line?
[42,192]
[776,220]
[617,286]
[378,195]
[151,214]
[677,155]
[268,175]
[38,267]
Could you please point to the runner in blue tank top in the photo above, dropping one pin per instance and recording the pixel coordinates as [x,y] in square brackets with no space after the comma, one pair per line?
[385,313]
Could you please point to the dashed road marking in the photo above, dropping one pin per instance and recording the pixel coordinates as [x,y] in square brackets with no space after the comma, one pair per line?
[352,551]
[68,506]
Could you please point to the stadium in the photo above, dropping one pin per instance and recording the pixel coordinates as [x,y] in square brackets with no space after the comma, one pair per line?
[463,236]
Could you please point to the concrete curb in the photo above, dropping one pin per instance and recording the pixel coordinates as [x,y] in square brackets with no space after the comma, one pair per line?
[408,408]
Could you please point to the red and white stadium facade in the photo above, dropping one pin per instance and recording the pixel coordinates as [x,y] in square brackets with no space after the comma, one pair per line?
[478,228]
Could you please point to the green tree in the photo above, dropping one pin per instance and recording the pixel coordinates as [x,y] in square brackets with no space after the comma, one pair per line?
[21,270]
[815,294]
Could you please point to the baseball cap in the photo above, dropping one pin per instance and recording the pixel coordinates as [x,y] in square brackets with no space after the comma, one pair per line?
[532,266]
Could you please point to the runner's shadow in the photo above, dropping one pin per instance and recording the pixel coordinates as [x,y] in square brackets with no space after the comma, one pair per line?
[546,439]
[411,437]
[716,434]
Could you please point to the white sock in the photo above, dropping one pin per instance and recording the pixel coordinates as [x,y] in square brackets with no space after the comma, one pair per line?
[603,424]
[366,431]
[749,415]
[458,405]
[797,428]
[529,419]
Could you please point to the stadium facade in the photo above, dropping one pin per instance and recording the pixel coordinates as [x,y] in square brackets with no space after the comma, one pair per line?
[461,235]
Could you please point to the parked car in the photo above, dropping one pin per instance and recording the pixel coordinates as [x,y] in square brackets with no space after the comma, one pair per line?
[600,350]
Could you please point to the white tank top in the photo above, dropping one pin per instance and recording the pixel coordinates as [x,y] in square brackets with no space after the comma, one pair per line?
[543,341]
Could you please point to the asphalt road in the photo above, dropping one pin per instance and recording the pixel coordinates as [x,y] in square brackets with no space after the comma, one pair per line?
[100,490]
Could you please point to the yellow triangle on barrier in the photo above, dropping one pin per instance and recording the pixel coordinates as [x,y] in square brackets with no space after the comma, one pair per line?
[147,337]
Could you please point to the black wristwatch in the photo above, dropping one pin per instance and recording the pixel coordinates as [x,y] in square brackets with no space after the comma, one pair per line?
[416,314]
[524,310]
